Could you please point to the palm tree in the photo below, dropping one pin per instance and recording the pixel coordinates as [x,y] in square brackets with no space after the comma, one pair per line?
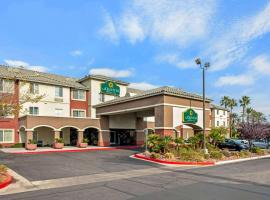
[225,101]
[231,104]
[244,102]
[249,111]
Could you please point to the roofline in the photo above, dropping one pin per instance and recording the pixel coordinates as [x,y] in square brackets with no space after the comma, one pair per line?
[219,107]
[103,79]
[113,102]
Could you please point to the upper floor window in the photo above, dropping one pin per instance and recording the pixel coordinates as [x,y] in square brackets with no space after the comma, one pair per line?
[78,113]
[6,136]
[58,91]
[34,88]
[33,110]
[217,112]
[78,94]
[224,112]
[6,86]
[102,97]
[59,111]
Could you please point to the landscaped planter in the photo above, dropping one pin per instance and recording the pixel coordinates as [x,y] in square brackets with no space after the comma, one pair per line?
[5,181]
[31,146]
[58,145]
[82,145]
[203,163]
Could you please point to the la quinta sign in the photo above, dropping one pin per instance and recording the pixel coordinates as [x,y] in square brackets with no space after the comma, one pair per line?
[190,116]
[111,88]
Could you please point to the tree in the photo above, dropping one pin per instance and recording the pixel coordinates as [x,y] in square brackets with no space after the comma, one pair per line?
[266,134]
[10,103]
[231,104]
[251,131]
[249,111]
[244,102]
[217,135]
[257,117]
[225,101]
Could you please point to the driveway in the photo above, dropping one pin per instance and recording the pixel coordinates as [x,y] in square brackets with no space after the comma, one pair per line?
[61,165]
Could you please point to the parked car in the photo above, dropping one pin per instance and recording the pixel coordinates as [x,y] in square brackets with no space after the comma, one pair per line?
[233,145]
[260,143]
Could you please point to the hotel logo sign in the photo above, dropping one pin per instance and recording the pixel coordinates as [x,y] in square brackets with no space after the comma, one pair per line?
[111,88]
[190,116]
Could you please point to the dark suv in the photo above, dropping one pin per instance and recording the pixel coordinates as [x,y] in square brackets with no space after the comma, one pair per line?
[233,145]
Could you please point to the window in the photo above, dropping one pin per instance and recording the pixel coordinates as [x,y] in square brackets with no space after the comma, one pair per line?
[224,124]
[102,97]
[34,88]
[33,110]
[6,135]
[58,91]
[218,112]
[224,112]
[217,123]
[6,86]
[78,113]
[78,94]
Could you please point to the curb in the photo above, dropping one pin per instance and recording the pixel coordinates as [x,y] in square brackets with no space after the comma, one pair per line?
[6,182]
[173,162]
[183,163]
[76,150]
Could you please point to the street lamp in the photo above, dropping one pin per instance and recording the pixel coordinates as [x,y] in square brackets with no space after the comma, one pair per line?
[204,67]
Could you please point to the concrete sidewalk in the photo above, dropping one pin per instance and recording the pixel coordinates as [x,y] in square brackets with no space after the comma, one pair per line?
[41,150]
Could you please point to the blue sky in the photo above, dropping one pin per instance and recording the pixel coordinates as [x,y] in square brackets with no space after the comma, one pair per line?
[149,43]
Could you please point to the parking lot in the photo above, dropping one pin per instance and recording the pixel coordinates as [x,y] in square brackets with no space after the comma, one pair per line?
[60,165]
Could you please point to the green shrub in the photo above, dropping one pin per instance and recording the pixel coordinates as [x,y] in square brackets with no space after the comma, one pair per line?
[244,154]
[216,155]
[226,153]
[1,146]
[257,150]
[18,145]
[169,156]
[32,141]
[155,155]
[85,140]
[191,155]
[59,140]
[206,156]
[235,154]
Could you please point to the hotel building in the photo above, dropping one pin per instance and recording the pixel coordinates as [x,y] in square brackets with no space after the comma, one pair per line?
[102,109]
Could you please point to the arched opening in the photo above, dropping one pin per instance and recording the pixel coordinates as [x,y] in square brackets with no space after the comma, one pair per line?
[69,135]
[92,135]
[43,136]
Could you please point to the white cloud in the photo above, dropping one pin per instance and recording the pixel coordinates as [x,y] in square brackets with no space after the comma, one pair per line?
[109,30]
[19,63]
[76,53]
[235,80]
[112,72]
[172,21]
[233,45]
[16,63]
[142,86]
[261,64]
[173,59]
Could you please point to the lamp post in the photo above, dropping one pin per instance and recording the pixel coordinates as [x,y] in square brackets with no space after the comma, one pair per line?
[204,67]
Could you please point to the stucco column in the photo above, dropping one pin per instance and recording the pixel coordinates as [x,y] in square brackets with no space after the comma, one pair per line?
[29,136]
[56,135]
[104,133]
[80,138]
[164,120]
[140,135]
